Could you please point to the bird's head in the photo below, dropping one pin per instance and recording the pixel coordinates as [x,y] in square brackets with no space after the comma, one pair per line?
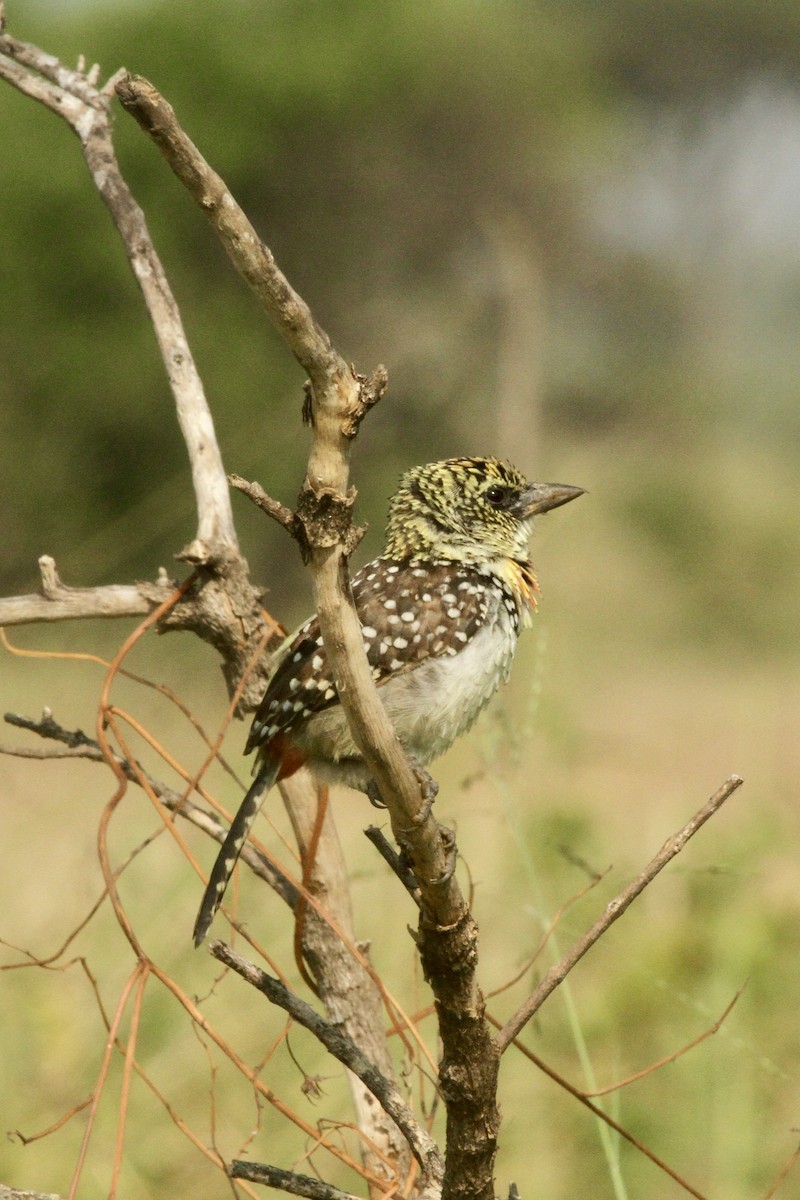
[468,510]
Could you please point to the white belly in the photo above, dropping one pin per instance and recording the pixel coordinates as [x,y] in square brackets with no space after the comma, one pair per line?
[430,705]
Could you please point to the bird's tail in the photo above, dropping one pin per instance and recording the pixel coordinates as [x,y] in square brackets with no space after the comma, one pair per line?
[232,847]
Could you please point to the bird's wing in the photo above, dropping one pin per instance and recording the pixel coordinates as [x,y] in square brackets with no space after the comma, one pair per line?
[408,613]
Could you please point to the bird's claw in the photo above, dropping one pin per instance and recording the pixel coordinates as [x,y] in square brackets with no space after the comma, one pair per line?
[451,855]
[428,790]
[374,795]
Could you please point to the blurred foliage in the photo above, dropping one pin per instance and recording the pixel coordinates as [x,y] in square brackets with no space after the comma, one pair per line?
[397,159]
[569,230]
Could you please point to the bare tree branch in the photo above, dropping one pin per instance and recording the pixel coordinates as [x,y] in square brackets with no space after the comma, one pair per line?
[252,259]
[287,1181]
[395,861]
[335,404]
[335,401]
[273,508]
[345,1051]
[613,911]
[224,609]
[57,602]
[74,743]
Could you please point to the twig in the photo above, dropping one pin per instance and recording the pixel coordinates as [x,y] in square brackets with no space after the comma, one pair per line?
[287,1181]
[668,1058]
[57,602]
[346,1052]
[251,258]
[80,745]
[273,508]
[613,911]
[251,1074]
[395,861]
[601,1114]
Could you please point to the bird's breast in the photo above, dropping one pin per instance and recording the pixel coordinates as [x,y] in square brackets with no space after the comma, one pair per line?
[429,704]
[433,705]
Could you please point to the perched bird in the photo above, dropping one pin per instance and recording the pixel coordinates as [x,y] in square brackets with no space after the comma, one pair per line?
[440,610]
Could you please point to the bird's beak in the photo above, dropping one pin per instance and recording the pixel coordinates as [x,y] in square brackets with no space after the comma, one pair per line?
[540,497]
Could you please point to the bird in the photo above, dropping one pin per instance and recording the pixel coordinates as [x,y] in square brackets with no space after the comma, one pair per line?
[441,609]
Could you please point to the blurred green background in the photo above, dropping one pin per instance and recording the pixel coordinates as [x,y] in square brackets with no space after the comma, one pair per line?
[570,230]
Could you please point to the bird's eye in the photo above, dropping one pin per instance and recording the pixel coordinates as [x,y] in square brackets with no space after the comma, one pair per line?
[496,495]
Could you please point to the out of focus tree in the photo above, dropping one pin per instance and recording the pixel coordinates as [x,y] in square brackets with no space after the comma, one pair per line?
[448,185]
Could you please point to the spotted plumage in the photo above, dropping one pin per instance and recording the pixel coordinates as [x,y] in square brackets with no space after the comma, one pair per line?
[440,610]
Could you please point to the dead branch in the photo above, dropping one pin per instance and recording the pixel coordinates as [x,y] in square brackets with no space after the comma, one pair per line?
[326,502]
[345,1051]
[217,603]
[57,602]
[273,508]
[394,860]
[225,608]
[613,911]
[251,258]
[287,1181]
[448,934]
[74,743]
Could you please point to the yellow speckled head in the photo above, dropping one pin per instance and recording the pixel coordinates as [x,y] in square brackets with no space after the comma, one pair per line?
[467,510]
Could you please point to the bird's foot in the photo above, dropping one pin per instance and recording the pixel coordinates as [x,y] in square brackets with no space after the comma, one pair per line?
[450,852]
[374,795]
[428,790]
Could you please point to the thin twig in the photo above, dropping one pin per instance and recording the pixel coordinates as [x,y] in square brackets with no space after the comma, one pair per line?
[669,1058]
[395,861]
[613,911]
[273,508]
[80,745]
[601,1114]
[200,1019]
